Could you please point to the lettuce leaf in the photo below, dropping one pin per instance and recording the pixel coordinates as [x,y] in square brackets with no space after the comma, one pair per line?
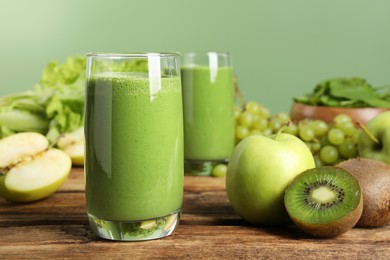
[23,112]
[55,106]
[56,103]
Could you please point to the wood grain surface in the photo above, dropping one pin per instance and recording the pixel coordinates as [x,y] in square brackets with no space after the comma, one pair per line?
[57,227]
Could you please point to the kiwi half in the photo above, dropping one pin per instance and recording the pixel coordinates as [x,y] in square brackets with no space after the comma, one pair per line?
[325,201]
[374,178]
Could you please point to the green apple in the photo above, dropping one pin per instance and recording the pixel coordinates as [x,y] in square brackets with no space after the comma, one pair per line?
[379,127]
[32,173]
[20,146]
[259,172]
[73,144]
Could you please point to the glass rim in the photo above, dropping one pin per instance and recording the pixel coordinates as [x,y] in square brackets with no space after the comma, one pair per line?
[219,53]
[131,54]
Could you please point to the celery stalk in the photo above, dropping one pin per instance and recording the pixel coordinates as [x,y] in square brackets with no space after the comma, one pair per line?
[23,121]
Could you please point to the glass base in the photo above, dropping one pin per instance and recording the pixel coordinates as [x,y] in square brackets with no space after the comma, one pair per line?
[201,168]
[135,230]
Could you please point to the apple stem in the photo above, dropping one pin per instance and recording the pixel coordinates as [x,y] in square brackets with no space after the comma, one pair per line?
[365,129]
[287,124]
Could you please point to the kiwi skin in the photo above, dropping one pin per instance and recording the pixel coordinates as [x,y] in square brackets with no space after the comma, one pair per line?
[332,229]
[374,179]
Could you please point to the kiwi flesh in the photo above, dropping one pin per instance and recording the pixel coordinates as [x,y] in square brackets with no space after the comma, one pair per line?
[374,178]
[325,201]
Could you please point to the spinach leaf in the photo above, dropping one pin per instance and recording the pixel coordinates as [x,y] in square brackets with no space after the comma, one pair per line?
[347,92]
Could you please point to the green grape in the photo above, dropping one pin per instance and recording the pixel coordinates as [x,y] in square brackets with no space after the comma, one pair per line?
[320,128]
[336,136]
[283,117]
[306,133]
[291,129]
[255,132]
[316,146]
[263,111]
[237,112]
[260,124]
[252,107]
[329,154]
[347,127]
[348,149]
[275,124]
[255,117]
[267,132]
[246,119]
[324,140]
[241,132]
[219,170]
[355,136]
[342,118]
[313,146]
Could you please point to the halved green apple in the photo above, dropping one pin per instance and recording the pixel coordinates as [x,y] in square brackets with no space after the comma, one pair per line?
[21,146]
[32,171]
[73,144]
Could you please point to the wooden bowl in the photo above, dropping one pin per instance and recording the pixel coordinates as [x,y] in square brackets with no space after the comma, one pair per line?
[301,111]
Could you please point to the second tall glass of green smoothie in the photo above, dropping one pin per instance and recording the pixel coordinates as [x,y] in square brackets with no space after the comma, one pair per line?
[208,102]
[134,145]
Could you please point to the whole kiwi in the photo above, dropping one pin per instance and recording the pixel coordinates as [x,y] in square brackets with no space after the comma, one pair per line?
[374,179]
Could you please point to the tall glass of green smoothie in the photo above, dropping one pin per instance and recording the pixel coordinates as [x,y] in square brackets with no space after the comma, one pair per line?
[134,145]
[208,101]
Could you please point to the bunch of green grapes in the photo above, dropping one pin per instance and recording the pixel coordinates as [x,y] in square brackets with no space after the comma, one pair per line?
[255,118]
[329,143]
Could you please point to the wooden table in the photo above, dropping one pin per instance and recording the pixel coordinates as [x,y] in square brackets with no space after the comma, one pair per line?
[57,227]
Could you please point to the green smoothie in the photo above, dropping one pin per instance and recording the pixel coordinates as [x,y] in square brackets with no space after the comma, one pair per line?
[208,98]
[134,143]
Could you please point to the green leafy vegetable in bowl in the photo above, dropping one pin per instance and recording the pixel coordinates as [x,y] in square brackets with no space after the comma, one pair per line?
[344,92]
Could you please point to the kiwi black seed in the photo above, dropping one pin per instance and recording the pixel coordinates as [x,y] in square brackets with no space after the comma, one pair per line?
[325,201]
[374,178]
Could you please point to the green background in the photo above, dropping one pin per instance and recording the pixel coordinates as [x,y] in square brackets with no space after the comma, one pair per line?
[281,49]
